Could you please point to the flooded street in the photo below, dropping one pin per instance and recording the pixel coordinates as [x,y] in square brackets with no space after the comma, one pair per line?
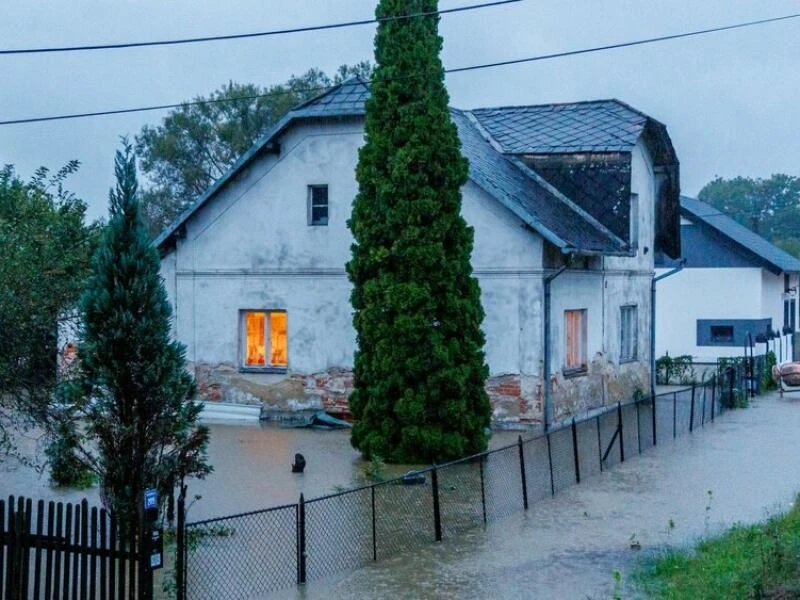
[564,547]
[569,546]
[251,469]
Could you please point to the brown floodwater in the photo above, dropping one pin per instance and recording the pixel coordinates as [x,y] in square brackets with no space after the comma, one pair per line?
[563,547]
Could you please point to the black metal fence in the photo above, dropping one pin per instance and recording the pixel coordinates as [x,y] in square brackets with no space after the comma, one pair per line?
[66,551]
[248,555]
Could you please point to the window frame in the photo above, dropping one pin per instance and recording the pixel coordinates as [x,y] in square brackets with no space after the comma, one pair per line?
[633,333]
[576,369]
[311,205]
[267,368]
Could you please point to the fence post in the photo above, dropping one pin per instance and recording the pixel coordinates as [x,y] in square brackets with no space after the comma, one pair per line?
[655,408]
[638,428]
[674,415]
[619,424]
[575,451]
[691,412]
[599,444]
[730,386]
[374,528]
[713,396]
[703,409]
[550,462]
[301,541]
[145,573]
[437,516]
[180,551]
[522,473]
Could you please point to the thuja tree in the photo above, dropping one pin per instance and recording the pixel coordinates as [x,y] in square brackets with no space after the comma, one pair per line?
[132,396]
[419,367]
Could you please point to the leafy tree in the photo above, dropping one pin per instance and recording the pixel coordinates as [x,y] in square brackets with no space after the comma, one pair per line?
[46,247]
[131,397]
[770,207]
[419,369]
[197,143]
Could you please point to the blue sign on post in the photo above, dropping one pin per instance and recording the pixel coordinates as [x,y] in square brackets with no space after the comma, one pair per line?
[150,499]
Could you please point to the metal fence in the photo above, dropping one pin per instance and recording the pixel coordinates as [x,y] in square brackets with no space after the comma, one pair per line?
[248,555]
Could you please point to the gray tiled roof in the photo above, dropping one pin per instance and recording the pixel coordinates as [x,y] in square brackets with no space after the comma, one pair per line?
[599,126]
[609,124]
[533,203]
[697,210]
[343,100]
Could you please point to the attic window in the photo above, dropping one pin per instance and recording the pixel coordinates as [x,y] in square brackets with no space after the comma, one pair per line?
[265,340]
[318,205]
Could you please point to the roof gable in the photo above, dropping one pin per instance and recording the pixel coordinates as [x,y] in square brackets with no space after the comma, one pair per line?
[610,123]
[723,228]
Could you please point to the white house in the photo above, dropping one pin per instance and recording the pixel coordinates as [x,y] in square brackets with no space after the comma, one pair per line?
[573,198]
[733,283]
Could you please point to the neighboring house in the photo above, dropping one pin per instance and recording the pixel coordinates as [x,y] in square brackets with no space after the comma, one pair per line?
[733,283]
[256,268]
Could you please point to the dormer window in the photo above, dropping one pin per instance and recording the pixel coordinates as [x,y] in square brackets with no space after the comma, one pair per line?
[318,205]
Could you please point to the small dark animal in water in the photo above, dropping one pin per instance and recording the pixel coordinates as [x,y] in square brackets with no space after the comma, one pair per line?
[299,463]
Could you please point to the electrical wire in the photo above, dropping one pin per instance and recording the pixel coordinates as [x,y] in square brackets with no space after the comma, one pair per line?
[529,59]
[240,36]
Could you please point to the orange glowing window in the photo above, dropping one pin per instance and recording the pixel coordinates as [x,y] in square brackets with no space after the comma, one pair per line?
[265,339]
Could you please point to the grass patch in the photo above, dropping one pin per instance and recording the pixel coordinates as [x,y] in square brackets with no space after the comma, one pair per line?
[747,562]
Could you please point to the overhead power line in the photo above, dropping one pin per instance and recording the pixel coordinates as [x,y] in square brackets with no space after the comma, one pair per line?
[517,61]
[256,34]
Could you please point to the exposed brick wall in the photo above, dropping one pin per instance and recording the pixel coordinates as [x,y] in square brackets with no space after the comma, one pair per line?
[514,398]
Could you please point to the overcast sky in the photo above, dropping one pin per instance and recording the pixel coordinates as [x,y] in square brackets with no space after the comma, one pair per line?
[731,100]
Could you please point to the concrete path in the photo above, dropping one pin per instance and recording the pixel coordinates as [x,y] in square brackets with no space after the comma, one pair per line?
[743,468]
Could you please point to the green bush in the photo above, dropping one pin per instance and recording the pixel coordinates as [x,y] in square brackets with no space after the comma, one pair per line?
[677,370]
[66,469]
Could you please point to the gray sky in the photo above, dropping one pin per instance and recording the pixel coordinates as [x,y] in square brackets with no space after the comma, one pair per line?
[731,100]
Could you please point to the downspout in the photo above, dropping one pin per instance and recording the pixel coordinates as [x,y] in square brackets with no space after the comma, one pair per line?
[677,269]
[548,402]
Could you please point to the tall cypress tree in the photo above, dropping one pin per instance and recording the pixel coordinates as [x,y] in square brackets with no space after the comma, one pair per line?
[140,421]
[419,368]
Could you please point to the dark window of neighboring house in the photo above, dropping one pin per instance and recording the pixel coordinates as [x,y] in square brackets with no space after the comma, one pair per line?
[264,339]
[575,340]
[790,314]
[722,334]
[318,205]
[634,221]
[629,331]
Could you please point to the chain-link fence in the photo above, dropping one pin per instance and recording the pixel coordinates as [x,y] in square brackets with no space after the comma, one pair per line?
[246,556]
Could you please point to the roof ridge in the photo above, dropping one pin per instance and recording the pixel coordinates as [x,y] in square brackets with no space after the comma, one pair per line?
[556,104]
[350,81]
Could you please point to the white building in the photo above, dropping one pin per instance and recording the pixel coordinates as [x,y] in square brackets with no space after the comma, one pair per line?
[733,283]
[256,269]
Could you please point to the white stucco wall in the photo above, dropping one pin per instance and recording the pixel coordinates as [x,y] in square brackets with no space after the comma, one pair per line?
[250,247]
[712,293]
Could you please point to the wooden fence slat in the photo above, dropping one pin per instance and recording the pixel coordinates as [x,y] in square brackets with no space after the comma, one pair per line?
[112,562]
[93,564]
[2,547]
[76,533]
[105,543]
[85,544]
[48,563]
[68,538]
[58,553]
[132,582]
[37,566]
[9,560]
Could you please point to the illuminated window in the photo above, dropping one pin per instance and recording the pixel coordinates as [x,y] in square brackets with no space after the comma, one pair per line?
[318,205]
[575,340]
[265,339]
